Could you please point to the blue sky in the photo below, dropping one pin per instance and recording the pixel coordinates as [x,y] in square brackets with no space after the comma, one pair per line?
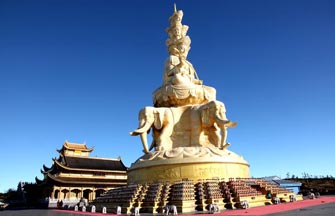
[81,71]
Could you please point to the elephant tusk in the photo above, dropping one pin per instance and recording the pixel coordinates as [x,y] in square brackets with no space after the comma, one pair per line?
[136,132]
[225,123]
[221,121]
[231,124]
[133,133]
[146,128]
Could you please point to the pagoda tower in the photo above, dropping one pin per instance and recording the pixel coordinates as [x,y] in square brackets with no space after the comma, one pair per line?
[188,125]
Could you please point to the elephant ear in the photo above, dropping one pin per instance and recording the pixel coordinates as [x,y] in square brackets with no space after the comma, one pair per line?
[158,123]
[205,116]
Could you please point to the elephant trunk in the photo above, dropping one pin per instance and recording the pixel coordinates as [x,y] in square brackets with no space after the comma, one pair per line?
[144,142]
[224,124]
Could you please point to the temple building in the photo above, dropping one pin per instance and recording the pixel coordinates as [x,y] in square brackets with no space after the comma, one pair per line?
[75,174]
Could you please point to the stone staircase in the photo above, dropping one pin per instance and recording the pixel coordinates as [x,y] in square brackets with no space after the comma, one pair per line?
[191,197]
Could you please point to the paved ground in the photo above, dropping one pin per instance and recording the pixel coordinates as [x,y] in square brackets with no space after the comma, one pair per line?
[323,210]
[33,212]
[324,206]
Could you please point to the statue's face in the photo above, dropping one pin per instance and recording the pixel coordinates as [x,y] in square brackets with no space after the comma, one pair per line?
[173,50]
[183,50]
[176,17]
[177,31]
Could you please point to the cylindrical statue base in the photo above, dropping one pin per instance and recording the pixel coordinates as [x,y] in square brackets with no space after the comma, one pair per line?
[191,163]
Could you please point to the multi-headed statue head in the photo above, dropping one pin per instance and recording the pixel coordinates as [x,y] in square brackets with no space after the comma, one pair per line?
[178,42]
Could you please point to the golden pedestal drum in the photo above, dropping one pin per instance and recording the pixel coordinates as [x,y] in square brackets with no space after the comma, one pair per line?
[191,163]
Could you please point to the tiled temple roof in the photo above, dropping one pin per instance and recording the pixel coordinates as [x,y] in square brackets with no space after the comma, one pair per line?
[92,163]
[75,146]
[89,181]
[97,171]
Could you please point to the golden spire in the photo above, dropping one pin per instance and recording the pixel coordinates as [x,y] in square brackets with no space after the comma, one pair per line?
[175,7]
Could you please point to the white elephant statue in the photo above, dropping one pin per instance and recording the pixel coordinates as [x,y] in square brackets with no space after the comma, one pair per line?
[135,211]
[161,122]
[214,122]
[187,126]
[244,204]
[170,209]
[213,208]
